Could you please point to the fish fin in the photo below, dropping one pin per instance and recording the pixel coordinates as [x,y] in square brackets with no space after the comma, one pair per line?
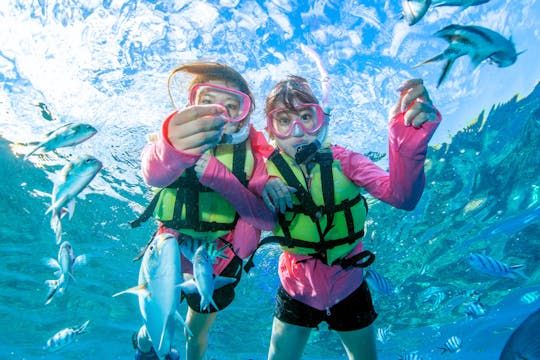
[56,225]
[79,260]
[179,318]
[139,290]
[446,69]
[168,328]
[71,208]
[189,287]
[52,263]
[82,329]
[518,269]
[213,303]
[53,288]
[221,281]
[438,57]
[27,155]
[72,277]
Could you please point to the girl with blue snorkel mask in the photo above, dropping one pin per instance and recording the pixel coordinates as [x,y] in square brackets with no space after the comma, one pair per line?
[316,189]
[207,167]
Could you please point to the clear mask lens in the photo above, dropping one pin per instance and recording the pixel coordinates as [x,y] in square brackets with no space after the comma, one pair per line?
[235,102]
[307,117]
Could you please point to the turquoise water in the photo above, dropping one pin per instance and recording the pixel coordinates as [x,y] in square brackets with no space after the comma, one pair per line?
[106,63]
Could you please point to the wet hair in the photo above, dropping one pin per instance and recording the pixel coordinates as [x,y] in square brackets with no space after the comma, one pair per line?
[289,91]
[207,71]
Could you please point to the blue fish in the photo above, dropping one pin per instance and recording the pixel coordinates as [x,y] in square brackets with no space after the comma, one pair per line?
[491,266]
[379,283]
[478,43]
[452,345]
[524,343]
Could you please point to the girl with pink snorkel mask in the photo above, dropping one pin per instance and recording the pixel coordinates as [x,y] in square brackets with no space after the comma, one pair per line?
[207,167]
[316,189]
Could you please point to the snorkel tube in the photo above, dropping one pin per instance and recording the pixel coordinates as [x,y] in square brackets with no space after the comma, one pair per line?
[237,137]
[304,153]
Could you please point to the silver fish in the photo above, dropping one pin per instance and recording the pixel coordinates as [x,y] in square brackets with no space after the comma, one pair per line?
[68,183]
[64,270]
[65,337]
[203,280]
[64,136]
[452,345]
[478,43]
[379,283]
[524,343]
[462,3]
[189,245]
[414,10]
[158,291]
[491,266]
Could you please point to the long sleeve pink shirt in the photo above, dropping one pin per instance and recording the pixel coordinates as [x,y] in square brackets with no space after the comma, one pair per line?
[162,164]
[322,286]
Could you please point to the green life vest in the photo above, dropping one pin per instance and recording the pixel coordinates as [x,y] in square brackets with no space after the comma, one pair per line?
[328,215]
[193,209]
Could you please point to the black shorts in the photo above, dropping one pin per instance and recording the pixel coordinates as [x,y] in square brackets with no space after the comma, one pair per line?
[223,296]
[355,312]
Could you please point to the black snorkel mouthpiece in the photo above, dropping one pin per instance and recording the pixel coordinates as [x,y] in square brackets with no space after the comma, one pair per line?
[306,152]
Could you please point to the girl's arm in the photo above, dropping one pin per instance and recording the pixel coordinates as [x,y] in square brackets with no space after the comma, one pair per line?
[162,164]
[403,185]
[247,201]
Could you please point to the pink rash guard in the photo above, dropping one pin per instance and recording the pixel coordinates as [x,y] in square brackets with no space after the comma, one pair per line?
[162,164]
[322,286]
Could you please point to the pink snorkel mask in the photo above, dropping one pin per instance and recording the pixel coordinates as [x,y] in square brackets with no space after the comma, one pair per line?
[282,121]
[237,103]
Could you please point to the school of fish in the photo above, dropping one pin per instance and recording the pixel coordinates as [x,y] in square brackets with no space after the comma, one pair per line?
[68,183]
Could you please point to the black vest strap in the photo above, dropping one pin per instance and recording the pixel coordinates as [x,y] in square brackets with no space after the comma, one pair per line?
[188,188]
[306,202]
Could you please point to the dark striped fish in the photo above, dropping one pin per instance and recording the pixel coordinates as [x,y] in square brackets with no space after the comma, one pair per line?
[475,310]
[491,266]
[379,283]
[410,356]
[452,345]
[65,337]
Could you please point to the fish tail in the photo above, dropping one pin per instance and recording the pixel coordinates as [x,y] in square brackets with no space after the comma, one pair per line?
[56,226]
[518,270]
[53,287]
[446,70]
[82,329]
[181,319]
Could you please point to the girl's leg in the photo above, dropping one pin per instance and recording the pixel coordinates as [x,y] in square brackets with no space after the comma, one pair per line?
[287,341]
[199,324]
[359,344]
